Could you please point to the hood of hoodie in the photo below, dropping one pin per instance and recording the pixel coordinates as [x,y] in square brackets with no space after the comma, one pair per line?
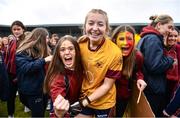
[149,30]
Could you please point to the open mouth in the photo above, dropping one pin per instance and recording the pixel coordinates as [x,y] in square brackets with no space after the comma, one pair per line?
[68,60]
[125,48]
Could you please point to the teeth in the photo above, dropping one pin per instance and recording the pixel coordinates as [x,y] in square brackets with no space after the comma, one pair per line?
[68,58]
[95,33]
[125,48]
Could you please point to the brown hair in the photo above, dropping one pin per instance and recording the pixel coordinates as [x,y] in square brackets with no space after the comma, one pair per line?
[163,19]
[129,61]
[35,44]
[20,24]
[99,11]
[56,66]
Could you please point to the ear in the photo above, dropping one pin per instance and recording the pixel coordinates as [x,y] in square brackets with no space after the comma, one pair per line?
[158,25]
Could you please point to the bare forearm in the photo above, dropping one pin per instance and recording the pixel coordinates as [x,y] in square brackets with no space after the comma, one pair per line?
[101,91]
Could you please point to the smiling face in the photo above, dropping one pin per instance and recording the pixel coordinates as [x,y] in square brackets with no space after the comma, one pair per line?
[165,29]
[172,38]
[125,41]
[95,27]
[67,54]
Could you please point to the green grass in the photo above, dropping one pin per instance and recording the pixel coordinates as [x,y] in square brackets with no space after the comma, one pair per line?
[19,109]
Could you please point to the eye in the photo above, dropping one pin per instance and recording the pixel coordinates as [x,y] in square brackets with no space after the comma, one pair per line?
[90,23]
[121,38]
[101,24]
[170,27]
[170,36]
[62,49]
[71,48]
[129,38]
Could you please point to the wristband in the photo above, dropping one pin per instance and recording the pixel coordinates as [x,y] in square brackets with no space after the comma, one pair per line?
[88,100]
[80,103]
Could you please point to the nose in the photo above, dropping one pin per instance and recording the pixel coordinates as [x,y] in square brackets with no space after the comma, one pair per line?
[125,42]
[66,51]
[95,27]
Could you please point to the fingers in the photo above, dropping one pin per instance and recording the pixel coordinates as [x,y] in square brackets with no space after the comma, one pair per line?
[48,58]
[141,84]
[57,100]
[61,103]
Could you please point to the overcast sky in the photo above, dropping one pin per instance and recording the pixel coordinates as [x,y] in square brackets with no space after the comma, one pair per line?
[35,12]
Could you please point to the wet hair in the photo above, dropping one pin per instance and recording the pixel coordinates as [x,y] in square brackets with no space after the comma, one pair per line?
[130,59]
[57,66]
[99,11]
[35,44]
[163,19]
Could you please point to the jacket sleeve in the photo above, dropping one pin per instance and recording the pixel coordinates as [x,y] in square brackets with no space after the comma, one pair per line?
[154,59]
[174,104]
[139,64]
[27,64]
[57,87]
[4,81]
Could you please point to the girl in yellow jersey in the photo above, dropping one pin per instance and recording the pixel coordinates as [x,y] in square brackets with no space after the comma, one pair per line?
[102,61]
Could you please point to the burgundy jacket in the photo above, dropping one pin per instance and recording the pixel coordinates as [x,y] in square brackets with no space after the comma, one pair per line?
[123,85]
[174,52]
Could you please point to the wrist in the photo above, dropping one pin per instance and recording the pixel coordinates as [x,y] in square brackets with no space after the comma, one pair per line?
[59,115]
[85,101]
[88,100]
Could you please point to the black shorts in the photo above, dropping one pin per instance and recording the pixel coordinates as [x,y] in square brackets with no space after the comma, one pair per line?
[104,113]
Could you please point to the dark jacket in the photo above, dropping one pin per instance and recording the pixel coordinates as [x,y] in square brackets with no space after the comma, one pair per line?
[30,74]
[4,81]
[155,62]
[174,106]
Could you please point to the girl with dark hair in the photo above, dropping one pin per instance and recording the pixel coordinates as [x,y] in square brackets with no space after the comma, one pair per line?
[172,49]
[65,66]
[17,29]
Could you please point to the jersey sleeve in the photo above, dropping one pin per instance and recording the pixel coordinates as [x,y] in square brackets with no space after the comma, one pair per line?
[114,70]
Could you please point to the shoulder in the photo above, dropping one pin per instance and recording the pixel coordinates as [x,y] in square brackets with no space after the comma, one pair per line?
[22,54]
[139,55]
[178,47]
[152,37]
[82,39]
[112,46]
[139,58]
[83,42]
[58,79]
